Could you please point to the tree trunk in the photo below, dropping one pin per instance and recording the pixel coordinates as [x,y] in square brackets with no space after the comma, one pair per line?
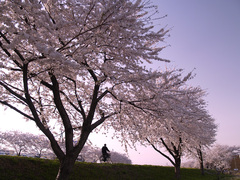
[65,168]
[177,172]
[200,157]
[177,168]
[202,167]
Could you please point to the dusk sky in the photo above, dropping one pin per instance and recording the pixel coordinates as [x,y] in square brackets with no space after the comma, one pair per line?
[204,37]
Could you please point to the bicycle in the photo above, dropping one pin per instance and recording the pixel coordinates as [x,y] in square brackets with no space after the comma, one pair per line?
[108,159]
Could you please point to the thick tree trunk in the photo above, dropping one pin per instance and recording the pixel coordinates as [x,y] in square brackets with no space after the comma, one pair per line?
[65,168]
[67,162]
[177,168]
[177,172]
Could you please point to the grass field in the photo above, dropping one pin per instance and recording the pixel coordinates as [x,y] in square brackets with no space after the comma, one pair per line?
[23,168]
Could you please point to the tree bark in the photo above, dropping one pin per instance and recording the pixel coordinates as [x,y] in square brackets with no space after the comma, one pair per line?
[65,168]
[202,168]
[200,156]
[67,161]
[177,166]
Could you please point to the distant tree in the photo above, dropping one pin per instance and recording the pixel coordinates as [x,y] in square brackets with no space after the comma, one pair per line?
[219,156]
[197,153]
[192,127]
[177,121]
[117,157]
[26,143]
[200,158]
[15,140]
[89,153]
[39,144]
[70,65]
[190,164]
[207,139]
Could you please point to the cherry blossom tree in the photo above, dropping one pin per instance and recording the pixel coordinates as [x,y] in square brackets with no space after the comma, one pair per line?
[179,138]
[15,140]
[29,144]
[199,155]
[176,120]
[197,152]
[117,157]
[205,141]
[70,65]
[39,145]
[219,156]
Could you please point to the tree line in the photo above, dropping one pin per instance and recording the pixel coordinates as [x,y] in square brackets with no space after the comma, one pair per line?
[31,145]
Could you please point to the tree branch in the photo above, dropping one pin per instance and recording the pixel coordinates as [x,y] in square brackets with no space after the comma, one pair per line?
[81,110]
[47,84]
[55,146]
[62,111]
[6,86]
[17,110]
[102,95]
[166,146]
[90,71]
[100,121]
[15,50]
[160,152]
[6,51]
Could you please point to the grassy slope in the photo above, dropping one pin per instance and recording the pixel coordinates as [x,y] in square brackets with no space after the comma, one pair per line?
[22,168]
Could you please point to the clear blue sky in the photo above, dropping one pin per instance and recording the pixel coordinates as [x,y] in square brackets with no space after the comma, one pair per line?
[205,35]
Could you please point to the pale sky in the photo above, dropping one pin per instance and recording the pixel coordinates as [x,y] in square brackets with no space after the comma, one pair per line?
[205,34]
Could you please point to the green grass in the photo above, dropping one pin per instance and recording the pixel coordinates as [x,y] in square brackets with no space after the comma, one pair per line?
[23,168]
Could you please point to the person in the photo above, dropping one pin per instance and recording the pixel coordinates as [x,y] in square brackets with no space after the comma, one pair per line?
[105,153]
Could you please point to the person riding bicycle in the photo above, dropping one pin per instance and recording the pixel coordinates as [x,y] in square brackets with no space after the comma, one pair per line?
[105,153]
